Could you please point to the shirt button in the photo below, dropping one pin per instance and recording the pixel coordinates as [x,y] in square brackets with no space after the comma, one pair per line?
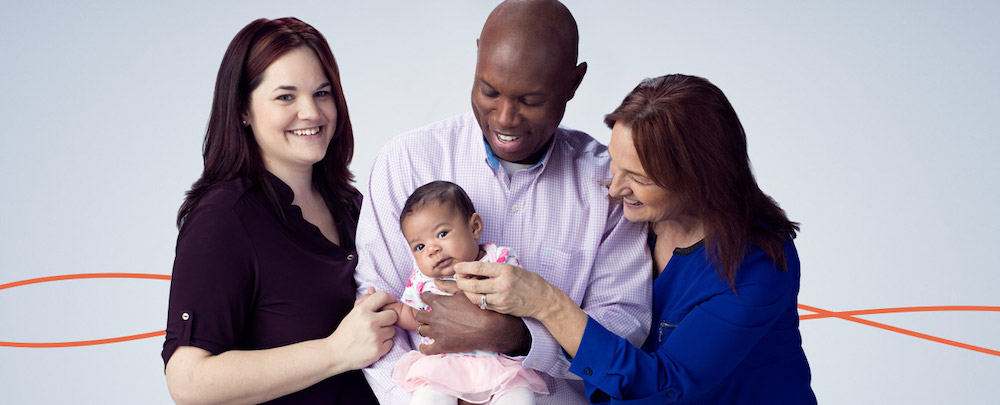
[185,316]
[513,208]
[588,371]
[350,257]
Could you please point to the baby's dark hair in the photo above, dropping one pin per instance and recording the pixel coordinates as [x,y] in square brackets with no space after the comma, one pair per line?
[444,192]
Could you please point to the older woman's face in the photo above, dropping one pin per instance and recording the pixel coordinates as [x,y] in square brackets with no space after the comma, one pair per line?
[644,200]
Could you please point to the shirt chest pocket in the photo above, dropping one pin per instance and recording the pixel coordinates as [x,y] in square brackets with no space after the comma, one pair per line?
[560,268]
[667,322]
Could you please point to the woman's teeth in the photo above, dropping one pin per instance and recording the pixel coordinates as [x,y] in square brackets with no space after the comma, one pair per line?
[306,132]
[633,202]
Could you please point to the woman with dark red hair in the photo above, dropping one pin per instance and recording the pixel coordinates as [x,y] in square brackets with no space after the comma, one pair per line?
[262,298]
[725,322]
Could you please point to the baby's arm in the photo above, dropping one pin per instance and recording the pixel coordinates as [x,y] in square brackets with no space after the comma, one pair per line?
[406,316]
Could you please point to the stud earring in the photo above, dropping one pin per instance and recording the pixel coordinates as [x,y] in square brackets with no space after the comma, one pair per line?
[245,124]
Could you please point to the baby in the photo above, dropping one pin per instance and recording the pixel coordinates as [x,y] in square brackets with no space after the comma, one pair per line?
[442,228]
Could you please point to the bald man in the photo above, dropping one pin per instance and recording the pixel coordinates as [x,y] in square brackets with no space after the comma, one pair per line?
[537,186]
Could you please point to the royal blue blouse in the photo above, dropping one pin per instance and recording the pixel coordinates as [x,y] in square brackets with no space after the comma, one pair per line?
[708,344]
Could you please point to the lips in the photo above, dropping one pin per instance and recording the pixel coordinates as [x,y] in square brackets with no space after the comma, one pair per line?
[306,131]
[630,201]
[442,263]
[505,143]
[504,138]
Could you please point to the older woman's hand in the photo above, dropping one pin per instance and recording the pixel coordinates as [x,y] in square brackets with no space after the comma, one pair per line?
[516,291]
[507,289]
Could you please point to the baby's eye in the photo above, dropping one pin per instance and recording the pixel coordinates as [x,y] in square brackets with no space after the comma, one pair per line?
[419,247]
[442,234]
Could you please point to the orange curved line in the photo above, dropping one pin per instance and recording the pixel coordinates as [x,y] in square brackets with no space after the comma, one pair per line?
[82,276]
[900,330]
[819,313]
[77,277]
[900,310]
[84,342]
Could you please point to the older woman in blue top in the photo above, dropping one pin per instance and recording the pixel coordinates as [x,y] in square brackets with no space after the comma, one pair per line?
[725,324]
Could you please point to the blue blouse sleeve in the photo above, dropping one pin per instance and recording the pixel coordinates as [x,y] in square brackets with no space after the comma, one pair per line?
[708,343]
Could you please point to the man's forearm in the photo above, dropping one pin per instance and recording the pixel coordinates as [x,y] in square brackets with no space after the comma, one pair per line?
[516,339]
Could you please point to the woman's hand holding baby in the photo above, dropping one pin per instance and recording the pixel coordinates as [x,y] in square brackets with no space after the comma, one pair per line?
[508,289]
[516,291]
[366,332]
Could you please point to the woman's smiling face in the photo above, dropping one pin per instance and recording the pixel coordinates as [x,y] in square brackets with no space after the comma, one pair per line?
[644,200]
[292,112]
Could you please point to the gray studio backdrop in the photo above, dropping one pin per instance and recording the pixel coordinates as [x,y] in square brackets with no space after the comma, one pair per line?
[872,123]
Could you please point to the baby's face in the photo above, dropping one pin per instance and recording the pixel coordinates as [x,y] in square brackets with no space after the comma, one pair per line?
[439,237]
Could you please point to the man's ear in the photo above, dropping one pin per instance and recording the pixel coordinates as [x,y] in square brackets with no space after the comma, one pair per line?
[576,78]
[476,224]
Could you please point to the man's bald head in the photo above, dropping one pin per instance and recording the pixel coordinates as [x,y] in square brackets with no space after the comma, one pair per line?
[526,72]
[534,25]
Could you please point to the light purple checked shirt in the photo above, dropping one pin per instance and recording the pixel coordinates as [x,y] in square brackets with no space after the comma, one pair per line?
[555,215]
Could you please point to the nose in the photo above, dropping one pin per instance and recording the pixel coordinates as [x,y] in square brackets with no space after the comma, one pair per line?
[507,113]
[308,110]
[617,187]
[433,249]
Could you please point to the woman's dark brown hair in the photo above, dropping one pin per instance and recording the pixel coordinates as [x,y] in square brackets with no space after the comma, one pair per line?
[690,142]
[230,150]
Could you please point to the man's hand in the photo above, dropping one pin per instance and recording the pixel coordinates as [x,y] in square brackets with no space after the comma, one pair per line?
[456,325]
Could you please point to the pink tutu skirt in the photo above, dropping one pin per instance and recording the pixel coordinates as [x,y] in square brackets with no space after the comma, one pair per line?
[473,379]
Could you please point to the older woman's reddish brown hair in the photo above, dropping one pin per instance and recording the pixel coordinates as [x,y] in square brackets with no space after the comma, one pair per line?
[690,142]
[230,150]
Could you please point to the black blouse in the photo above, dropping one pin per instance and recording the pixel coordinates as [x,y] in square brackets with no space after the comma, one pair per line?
[244,280]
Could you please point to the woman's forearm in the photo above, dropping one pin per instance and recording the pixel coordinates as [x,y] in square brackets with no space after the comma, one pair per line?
[195,376]
[564,319]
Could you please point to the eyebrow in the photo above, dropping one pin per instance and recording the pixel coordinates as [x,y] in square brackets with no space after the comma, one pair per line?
[531,94]
[633,172]
[627,169]
[293,88]
[411,240]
